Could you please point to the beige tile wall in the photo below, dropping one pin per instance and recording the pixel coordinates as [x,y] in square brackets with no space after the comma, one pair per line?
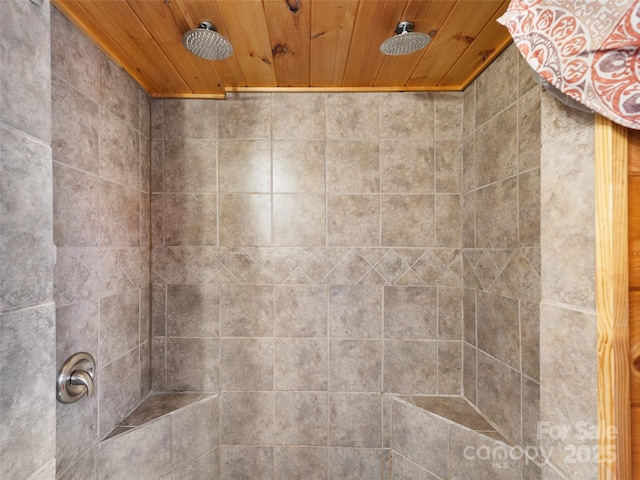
[27,311]
[306,262]
[501,239]
[568,369]
[101,168]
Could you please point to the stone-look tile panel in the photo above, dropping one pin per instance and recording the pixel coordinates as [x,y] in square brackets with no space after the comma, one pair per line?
[404,469]
[448,164]
[410,366]
[246,364]
[568,226]
[353,115]
[75,207]
[299,220]
[407,220]
[469,111]
[499,395]
[192,311]
[300,418]
[529,129]
[119,151]
[473,465]
[469,315]
[119,215]
[73,143]
[469,220]
[499,328]
[242,318]
[355,312]
[300,364]
[144,109]
[119,326]
[190,219]
[247,462]
[205,466]
[410,312]
[407,115]
[157,164]
[449,368]
[529,208]
[74,57]
[569,388]
[179,119]
[468,164]
[406,166]
[353,166]
[157,117]
[298,166]
[495,89]
[300,311]
[244,166]
[448,220]
[354,420]
[192,364]
[120,456]
[353,220]
[530,412]
[296,115]
[84,468]
[530,339]
[190,166]
[244,220]
[118,390]
[497,215]
[25,103]
[292,463]
[526,80]
[559,120]
[30,397]
[355,365]
[194,431]
[449,313]
[448,116]
[469,373]
[25,214]
[421,437]
[497,160]
[357,463]
[118,92]
[245,116]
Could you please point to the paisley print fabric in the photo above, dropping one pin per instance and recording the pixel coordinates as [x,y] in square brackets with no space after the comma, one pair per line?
[588,49]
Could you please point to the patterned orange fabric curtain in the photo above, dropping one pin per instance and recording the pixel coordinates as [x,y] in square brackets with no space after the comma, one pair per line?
[587,49]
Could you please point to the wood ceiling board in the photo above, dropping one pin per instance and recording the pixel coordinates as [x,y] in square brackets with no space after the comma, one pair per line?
[376,21]
[290,35]
[197,11]
[249,36]
[427,16]
[464,23]
[332,24]
[72,10]
[489,43]
[166,23]
[129,33]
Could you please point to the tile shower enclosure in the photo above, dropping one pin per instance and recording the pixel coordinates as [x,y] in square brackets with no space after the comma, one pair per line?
[305,255]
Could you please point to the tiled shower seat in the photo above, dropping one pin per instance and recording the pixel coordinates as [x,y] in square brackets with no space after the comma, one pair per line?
[446,438]
[169,436]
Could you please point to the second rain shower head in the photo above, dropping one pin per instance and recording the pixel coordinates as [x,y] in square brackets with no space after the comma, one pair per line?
[207,43]
[405,40]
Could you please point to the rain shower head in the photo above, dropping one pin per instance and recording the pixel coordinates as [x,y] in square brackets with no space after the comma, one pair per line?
[405,40]
[206,42]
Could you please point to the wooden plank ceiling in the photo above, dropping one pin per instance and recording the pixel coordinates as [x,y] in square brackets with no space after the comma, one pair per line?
[324,45]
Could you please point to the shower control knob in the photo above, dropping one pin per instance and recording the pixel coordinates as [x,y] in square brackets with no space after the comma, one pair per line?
[75,378]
